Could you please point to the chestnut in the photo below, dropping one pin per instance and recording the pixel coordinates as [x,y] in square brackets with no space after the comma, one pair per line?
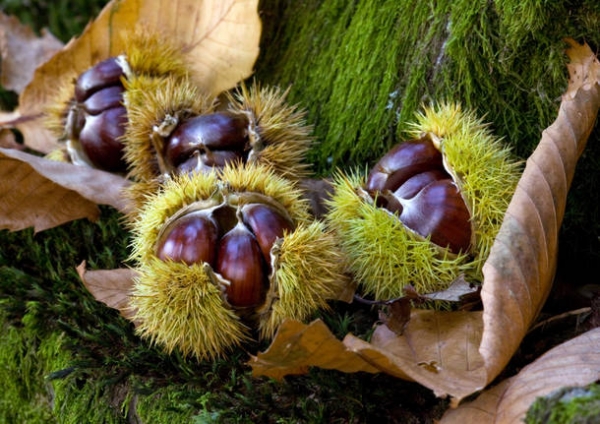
[190,239]
[411,181]
[96,121]
[439,211]
[104,74]
[100,139]
[402,162]
[267,225]
[429,211]
[240,261]
[233,239]
[203,290]
[220,137]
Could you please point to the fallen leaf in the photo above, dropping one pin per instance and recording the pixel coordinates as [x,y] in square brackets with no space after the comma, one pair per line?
[111,287]
[519,271]
[219,37]
[22,51]
[469,349]
[397,315]
[457,291]
[299,346]
[573,363]
[447,339]
[42,193]
[8,140]
[38,137]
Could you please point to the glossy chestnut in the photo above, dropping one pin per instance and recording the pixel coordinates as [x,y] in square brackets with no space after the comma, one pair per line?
[411,182]
[97,119]
[221,131]
[240,261]
[266,224]
[190,239]
[402,162]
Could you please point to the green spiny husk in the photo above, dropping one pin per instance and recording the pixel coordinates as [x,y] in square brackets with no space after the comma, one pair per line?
[183,307]
[383,255]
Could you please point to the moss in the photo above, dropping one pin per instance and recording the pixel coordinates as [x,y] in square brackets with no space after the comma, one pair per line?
[364,68]
[176,403]
[574,405]
[24,394]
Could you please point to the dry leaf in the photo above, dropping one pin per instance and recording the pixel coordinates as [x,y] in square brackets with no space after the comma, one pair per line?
[302,346]
[111,287]
[37,136]
[220,38]
[22,51]
[41,193]
[397,315]
[8,140]
[459,353]
[457,291]
[447,339]
[573,363]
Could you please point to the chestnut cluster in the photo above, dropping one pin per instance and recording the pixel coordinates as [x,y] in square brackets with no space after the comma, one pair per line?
[96,120]
[237,245]
[411,181]
[206,141]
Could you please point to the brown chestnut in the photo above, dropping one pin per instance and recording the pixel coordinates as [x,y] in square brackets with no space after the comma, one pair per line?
[266,224]
[104,74]
[190,239]
[100,139]
[439,211]
[411,181]
[97,119]
[212,132]
[402,162]
[240,262]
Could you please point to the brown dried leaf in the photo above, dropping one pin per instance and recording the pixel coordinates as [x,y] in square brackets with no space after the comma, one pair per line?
[438,350]
[397,315]
[573,363]
[111,287]
[8,140]
[41,193]
[220,37]
[457,291]
[298,346]
[459,353]
[519,272]
[34,133]
[22,51]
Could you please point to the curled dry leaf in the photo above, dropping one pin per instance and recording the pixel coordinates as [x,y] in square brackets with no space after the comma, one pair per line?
[111,287]
[573,363]
[298,346]
[42,193]
[459,353]
[220,38]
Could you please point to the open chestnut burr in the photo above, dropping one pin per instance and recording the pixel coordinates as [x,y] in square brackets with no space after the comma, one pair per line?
[222,257]
[429,210]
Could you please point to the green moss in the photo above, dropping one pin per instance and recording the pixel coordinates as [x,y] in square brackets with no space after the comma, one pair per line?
[573,405]
[364,68]
[24,394]
[175,403]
